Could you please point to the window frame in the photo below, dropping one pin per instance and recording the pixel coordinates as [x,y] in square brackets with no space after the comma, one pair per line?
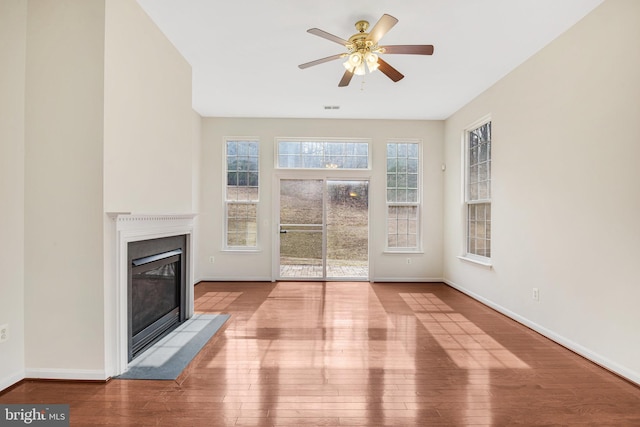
[332,140]
[468,201]
[227,202]
[417,204]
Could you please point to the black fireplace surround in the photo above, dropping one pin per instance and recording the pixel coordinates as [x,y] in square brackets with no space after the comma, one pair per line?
[156,290]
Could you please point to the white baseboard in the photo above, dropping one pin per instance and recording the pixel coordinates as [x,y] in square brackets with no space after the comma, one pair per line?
[236,279]
[396,279]
[11,380]
[66,374]
[372,280]
[565,342]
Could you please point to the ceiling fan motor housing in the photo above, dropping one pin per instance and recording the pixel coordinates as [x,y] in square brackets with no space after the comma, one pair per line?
[359,43]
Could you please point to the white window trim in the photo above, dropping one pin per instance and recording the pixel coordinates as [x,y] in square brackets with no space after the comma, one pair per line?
[225,202]
[419,247]
[477,260]
[466,255]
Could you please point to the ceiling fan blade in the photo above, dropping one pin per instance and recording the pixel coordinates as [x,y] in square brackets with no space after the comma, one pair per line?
[346,79]
[320,33]
[381,28]
[389,71]
[411,49]
[321,61]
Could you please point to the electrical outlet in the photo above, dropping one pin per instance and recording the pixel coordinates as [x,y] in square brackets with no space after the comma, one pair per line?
[212,259]
[4,333]
[408,260]
[535,294]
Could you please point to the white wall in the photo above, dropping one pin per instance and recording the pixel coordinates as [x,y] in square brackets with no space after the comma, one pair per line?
[63,188]
[196,151]
[233,266]
[196,185]
[565,190]
[13,26]
[149,132]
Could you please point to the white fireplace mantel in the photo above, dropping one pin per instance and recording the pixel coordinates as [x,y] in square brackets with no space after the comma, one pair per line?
[128,228]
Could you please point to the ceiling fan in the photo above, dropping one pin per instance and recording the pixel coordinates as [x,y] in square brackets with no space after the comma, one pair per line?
[363,51]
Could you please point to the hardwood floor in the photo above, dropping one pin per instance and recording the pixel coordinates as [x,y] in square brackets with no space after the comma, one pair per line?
[340,353]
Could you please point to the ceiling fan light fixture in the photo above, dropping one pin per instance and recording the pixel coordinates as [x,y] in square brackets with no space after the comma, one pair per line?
[348,66]
[358,63]
[371,60]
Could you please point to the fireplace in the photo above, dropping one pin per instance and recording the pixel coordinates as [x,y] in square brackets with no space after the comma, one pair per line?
[126,228]
[156,291]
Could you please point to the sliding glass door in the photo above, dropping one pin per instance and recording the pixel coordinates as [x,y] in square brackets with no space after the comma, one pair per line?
[324,229]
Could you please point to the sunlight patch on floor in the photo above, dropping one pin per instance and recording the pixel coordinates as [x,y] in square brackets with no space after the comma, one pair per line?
[466,344]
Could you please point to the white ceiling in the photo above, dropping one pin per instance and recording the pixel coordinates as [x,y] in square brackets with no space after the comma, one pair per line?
[245,54]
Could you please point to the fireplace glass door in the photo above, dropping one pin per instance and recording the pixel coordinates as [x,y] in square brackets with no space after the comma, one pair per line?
[156,292]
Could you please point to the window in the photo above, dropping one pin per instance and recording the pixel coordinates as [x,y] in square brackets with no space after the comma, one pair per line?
[403,195]
[478,190]
[241,194]
[321,154]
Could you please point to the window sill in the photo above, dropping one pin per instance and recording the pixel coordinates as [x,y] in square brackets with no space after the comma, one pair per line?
[486,264]
[242,251]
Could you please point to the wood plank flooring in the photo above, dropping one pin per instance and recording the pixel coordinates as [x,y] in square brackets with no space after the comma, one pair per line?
[355,354]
